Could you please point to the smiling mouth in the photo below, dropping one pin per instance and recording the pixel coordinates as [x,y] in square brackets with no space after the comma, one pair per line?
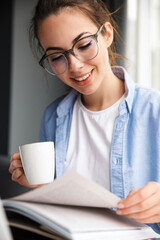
[83,78]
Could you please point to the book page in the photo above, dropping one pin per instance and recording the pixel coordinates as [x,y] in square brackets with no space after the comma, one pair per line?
[72,189]
[82,223]
[5,232]
[42,205]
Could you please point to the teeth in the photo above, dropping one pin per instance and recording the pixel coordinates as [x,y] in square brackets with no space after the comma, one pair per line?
[83,78]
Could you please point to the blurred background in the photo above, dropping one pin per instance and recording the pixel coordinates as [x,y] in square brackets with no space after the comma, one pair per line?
[26,89]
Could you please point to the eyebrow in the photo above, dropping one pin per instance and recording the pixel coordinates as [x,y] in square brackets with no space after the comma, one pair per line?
[74,40]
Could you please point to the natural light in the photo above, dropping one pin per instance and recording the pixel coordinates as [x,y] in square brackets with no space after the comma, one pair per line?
[143,42]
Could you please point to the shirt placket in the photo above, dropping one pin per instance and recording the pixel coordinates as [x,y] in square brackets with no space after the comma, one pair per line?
[116,156]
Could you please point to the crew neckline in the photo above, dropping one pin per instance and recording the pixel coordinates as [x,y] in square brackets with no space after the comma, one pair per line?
[101,111]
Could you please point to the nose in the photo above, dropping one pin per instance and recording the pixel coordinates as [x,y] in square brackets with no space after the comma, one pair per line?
[74,63]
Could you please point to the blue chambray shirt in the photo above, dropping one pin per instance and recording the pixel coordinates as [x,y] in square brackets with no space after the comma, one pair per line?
[135,150]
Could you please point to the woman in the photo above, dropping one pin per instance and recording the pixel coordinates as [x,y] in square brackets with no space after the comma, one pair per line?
[107,128]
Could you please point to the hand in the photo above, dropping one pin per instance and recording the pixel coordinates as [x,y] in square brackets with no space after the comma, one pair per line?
[17,171]
[142,204]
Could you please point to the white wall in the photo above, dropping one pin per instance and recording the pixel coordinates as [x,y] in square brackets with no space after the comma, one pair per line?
[31,89]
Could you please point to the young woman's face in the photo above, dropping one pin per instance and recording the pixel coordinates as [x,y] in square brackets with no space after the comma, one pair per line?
[60,31]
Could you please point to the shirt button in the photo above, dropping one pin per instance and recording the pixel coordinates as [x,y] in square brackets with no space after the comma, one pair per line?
[115,161]
[123,105]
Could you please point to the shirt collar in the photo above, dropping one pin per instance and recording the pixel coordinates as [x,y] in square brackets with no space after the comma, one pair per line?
[67,103]
[122,74]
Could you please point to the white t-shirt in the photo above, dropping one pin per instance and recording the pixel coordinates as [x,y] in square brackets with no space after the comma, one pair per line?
[90,142]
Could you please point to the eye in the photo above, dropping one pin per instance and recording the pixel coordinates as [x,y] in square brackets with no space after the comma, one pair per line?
[54,58]
[85,45]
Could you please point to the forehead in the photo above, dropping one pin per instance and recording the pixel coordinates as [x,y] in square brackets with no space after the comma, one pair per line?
[64,27]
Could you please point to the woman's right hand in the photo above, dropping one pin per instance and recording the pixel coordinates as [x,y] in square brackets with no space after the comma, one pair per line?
[16,169]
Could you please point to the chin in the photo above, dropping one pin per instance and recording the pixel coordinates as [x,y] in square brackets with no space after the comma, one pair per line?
[87,92]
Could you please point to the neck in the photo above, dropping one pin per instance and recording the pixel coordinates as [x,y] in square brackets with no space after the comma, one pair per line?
[110,91]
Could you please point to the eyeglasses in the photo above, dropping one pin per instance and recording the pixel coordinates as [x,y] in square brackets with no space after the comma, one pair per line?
[84,49]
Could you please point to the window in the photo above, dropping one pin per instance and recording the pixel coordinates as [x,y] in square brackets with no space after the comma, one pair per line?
[143,41]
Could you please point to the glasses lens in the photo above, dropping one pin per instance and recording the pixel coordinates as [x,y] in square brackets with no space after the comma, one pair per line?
[55,63]
[86,49]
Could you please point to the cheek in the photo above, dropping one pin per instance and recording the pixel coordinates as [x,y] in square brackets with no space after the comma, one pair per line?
[104,51]
[102,57]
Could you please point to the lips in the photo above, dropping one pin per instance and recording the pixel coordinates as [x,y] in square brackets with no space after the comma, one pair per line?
[83,78]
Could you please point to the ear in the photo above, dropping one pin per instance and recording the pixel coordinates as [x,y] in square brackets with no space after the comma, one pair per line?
[109,33]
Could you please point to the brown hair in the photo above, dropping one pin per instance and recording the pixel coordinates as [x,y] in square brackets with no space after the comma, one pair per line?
[96,10]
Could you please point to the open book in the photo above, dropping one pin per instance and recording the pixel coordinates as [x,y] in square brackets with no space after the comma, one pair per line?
[5,233]
[72,207]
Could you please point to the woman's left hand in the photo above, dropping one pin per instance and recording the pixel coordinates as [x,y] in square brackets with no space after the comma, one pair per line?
[142,204]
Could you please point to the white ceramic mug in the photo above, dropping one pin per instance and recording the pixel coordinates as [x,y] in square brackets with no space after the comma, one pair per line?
[38,162]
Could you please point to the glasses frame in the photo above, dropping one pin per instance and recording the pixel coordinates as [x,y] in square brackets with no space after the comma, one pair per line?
[65,53]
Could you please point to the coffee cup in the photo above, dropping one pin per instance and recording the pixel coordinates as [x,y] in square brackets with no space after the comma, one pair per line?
[38,162]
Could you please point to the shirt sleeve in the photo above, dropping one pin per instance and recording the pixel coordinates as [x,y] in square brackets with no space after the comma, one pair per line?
[42,136]
[155,227]
[48,122]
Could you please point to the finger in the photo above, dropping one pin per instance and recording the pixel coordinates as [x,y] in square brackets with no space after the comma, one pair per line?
[143,214]
[23,181]
[152,219]
[148,203]
[15,164]
[146,219]
[140,195]
[15,156]
[19,177]
[132,192]
[149,213]
[17,173]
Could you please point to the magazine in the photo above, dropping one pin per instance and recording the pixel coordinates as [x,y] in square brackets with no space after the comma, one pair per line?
[72,207]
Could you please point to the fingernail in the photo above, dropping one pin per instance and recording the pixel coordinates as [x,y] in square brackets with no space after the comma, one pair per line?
[120,205]
[118,212]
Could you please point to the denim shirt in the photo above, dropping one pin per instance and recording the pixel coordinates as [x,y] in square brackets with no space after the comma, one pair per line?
[135,149]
